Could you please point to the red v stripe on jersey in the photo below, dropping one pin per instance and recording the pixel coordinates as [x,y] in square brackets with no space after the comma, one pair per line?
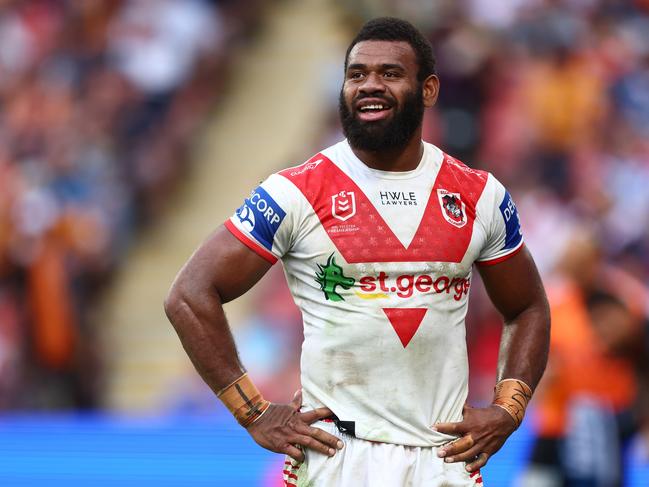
[366,237]
[405,321]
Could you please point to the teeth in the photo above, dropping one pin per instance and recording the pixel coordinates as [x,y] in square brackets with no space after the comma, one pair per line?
[372,107]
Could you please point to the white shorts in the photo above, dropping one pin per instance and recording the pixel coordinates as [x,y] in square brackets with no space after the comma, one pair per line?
[363,463]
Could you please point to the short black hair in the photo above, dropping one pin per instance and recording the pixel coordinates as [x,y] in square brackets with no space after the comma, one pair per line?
[398,30]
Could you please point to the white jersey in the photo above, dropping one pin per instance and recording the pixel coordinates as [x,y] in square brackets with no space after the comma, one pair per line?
[380,265]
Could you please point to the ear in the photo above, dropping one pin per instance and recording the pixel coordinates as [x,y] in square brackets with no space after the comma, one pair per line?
[431,90]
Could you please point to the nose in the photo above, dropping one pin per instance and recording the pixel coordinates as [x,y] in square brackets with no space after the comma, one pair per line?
[372,83]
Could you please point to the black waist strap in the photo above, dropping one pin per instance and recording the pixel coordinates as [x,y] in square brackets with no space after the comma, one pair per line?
[346,427]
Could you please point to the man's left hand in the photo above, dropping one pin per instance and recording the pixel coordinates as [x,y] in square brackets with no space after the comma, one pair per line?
[482,433]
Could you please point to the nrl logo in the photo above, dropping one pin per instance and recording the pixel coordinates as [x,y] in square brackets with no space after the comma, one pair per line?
[343,205]
[330,276]
[453,208]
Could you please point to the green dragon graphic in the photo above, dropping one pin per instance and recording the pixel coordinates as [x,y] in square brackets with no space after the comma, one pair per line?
[331,275]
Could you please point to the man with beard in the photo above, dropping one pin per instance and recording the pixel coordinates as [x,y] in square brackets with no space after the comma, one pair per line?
[378,236]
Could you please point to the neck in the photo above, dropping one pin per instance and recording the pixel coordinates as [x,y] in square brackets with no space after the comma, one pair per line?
[399,159]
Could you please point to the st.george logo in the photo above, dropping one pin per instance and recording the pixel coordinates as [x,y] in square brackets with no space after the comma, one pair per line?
[453,208]
[343,205]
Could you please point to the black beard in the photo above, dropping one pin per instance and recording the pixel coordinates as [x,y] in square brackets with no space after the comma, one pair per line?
[383,135]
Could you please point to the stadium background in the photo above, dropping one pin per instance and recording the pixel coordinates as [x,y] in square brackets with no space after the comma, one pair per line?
[130,129]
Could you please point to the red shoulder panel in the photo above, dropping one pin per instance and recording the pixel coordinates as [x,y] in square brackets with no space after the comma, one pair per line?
[361,235]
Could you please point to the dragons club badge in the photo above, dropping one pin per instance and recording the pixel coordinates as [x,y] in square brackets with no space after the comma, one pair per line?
[453,208]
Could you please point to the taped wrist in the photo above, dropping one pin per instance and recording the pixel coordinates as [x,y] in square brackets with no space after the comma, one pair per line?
[244,400]
[513,395]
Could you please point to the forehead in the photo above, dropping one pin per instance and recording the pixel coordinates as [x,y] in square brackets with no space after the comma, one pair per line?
[383,52]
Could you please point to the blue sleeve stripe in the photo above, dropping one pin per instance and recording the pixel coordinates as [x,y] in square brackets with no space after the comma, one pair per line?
[261,216]
[509,212]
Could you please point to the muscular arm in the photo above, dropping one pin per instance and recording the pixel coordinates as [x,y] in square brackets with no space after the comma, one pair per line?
[221,270]
[515,288]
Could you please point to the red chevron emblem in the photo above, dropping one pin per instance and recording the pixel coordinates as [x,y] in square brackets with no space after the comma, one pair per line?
[405,322]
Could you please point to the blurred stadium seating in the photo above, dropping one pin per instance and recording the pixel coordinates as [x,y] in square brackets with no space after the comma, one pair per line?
[130,129]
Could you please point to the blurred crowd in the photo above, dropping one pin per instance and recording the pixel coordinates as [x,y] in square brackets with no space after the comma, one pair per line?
[98,103]
[99,100]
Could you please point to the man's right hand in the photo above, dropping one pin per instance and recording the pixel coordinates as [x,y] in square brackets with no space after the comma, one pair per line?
[283,429]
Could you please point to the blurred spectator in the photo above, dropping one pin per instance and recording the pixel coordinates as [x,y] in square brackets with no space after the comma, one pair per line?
[158,52]
[590,378]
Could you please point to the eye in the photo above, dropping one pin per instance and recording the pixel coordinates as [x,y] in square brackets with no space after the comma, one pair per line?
[355,75]
[391,74]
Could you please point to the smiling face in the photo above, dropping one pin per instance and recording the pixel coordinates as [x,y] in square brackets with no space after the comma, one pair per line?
[382,102]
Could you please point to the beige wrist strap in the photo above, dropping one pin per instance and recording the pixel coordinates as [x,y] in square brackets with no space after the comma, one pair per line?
[244,400]
[513,395]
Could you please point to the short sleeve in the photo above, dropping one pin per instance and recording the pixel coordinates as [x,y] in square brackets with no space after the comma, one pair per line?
[504,237]
[265,221]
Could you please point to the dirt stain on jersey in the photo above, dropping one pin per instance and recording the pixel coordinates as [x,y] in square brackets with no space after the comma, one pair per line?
[344,367]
